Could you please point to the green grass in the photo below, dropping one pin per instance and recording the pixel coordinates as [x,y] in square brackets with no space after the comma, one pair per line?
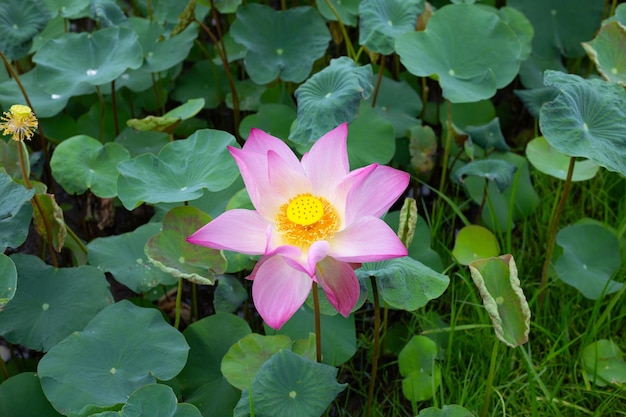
[544,377]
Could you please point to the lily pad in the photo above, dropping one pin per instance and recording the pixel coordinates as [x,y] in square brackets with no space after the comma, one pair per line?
[180,171]
[281,44]
[488,136]
[169,250]
[21,395]
[154,400]
[93,58]
[170,120]
[586,119]
[51,303]
[604,362]
[590,257]
[289,385]
[230,294]
[244,359]
[329,98]
[465,69]
[20,22]
[534,98]
[124,257]
[95,367]
[82,162]
[15,212]
[422,148]
[8,280]
[552,162]
[399,103]
[607,51]
[422,375]
[272,118]
[474,242]
[201,381]
[194,83]
[496,170]
[405,283]
[503,298]
[382,21]
[371,138]
[348,10]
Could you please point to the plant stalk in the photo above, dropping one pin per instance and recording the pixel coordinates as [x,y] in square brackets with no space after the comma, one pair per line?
[381,69]
[375,353]
[179,295]
[318,332]
[492,371]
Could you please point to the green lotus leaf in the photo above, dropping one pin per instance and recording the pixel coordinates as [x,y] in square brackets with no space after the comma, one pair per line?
[422,375]
[15,212]
[273,118]
[51,303]
[586,119]
[382,21]
[180,171]
[244,359]
[534,98]
[107,13]
[249,94]
[348,10]
[603,361]
[50,222]
[289,385]
[234,51]
[169,251]
[138,142]
[69,9]
[8,280]
[521,26]
[560,25]
[465,69]
[488,136]
[96,367]
[422,148]
[446,411]
[223,6]
[607,51]
[20,22]
[590,257]
[154,400]
[338,334]
[43,103]
[552,162]
[123,256]
[405,283]
[503,298]
[281,44]
[371,138]
[195,83]
[160,52]
[82,162]
[399,103]
[21,395]
[230,294]
[170,120]
[92,58]
[329,98]
[201,381]
[496,170]
[474,242]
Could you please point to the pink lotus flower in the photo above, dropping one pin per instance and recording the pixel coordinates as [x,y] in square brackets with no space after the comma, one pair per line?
[314,221]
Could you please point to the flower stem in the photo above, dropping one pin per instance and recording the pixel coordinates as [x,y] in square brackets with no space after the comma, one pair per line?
[492,371]
[344,32]
[3,368]
[179,295]
[102,113]
[381,69]
[553,230]
[370,392]
[116,122]
[318,332]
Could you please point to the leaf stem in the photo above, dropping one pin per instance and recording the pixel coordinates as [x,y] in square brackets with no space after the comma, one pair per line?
[102,113]
[492,371]
[381,69]
[553,229]
[344,32]
[179,295]
[318,332]
[375,353]
[116,122]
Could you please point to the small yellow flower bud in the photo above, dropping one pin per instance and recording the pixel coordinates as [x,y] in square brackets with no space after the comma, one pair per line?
[19,122]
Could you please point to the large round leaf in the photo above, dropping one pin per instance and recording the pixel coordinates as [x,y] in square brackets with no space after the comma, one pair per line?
[51,303]
[587,118]
[282,44]
[93,58]
[607,51]
[15,212]
[8,280]
[499,171]
[488,136]
[154,400]
[590,257]
[82,162]
[399,103]
[329,98]
[272,118]
[169,251]
[421,373]
[20,22]
[474,242]
[347,10]
[201,380]
[382,21]
[123,348]
[21,395]
[465,67]
[288,385]
[503,298]
[371,138]
[552,162]
[124,257]
[181,171]
[604,362]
